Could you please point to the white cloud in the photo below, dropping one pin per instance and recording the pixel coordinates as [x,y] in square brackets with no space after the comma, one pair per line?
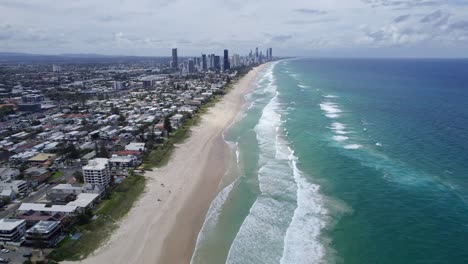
[293,27]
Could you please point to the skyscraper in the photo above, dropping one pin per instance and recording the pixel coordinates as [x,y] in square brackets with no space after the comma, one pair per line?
[191,66]
[175,63]
[271,53]
[226,64]
[204,64]
[217,63]
[212,61]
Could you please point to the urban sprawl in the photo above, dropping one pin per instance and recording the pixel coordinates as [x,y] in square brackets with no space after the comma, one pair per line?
[70,132]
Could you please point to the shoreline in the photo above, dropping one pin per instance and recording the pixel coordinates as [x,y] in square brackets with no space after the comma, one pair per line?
[164,224]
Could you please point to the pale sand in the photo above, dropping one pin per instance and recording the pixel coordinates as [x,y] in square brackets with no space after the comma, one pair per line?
[166,231]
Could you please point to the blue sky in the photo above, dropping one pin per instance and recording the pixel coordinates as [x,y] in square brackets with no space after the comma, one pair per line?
[357,28]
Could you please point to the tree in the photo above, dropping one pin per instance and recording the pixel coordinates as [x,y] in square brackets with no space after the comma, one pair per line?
[121,119]
[72,152]
[78,175]
[103,152]
[167,125]
[35,123]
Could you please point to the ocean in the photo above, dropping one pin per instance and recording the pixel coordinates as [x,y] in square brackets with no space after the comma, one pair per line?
[346,161]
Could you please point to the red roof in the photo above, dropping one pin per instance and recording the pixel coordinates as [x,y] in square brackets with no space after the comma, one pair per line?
[128,152]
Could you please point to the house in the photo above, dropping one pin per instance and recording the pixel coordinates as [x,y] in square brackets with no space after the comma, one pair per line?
[119,165]
[41,159]
[136,146]
[63,193]
[18,186]
[33,217]
[12,230]
[9,173]
[45,208]
[7,195]
[45,233]
[87,157]
[38,174]
[85,200]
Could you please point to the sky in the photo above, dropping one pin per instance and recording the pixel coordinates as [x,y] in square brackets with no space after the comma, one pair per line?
[341,28]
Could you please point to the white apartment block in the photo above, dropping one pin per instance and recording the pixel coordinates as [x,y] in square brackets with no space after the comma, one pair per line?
[97,172]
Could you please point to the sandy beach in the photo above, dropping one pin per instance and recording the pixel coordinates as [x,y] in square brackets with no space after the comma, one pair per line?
[164,224]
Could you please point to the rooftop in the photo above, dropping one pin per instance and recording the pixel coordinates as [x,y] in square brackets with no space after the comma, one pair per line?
[41,157]
[84,199]
[96,164]
[44,208]
[10,224]
[43,227]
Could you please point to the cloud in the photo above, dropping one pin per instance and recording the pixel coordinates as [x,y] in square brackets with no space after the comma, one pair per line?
[281,38]
[460,25]
[401,18]
[310,11]
[403,3]
[432,17]
[152,27]
[312,21]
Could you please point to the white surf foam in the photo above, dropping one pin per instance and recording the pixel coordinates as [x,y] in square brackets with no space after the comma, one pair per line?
[331,109]
[302,240]
[212,216]
[340,138]
[285,222]
[261,235]
[330,96]
[353,146]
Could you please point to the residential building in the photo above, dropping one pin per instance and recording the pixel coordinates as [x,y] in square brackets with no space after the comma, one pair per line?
[12,230]
[134,146]
[18,186]
[9,173]
[45,233]
[38,174]
[97,172]
[45,208]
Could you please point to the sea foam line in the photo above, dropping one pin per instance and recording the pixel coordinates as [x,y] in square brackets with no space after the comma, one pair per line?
[302,240]
[331,109]
[212,216]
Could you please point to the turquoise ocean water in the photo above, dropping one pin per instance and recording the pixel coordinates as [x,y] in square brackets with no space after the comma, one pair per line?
[347,161]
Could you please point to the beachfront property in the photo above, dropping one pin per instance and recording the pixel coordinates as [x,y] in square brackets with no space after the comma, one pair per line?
[12,230]
[44,234]
[70,210]
[97,172]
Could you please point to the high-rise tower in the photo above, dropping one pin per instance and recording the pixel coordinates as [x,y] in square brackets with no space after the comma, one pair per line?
[226,64]
[175,63]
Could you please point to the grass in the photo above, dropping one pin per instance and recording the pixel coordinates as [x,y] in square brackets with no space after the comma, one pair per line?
[97,231]
[57,175]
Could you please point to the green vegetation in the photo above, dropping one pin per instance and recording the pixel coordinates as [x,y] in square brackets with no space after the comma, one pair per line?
[6,110]
[57,175]
[108,213]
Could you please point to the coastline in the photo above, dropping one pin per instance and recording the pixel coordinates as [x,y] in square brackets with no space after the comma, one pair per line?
[164,224]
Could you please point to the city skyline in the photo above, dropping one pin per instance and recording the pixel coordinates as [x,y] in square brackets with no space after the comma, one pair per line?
[356,28]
